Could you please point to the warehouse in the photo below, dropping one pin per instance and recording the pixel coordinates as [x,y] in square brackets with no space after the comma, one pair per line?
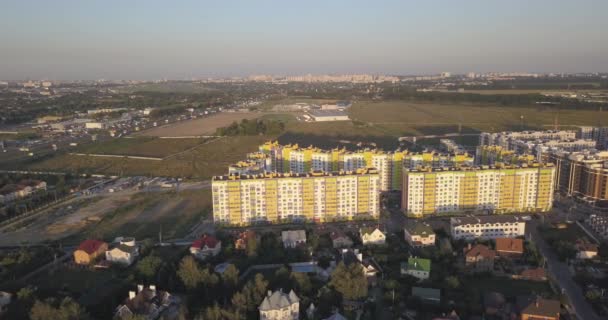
[329,115]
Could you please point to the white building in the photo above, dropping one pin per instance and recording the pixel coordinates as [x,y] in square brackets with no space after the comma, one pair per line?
[206,246]
[372,236]
[280,306]
[125,253]
[293,238]
[487,227]
[95,125]
[419,234]
[328,115]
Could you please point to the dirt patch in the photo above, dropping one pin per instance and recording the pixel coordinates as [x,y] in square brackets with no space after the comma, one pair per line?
[199,127]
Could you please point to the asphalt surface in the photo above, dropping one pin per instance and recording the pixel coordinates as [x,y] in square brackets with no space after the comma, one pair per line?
[560,272]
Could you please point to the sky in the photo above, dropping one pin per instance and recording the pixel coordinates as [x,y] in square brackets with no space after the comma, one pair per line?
[180,39]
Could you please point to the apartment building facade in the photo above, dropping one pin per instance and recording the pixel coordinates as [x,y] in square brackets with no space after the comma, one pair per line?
[498,189]
[487,227]
[284,197]
[582,174]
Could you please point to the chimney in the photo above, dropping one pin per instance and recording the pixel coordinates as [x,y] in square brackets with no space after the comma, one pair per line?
[469,246]
[131,295]
[140,287]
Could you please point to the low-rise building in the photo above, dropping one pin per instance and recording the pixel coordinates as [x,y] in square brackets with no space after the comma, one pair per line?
[370,269]
[340,240]
[205,247]
[293,238]
[125,253]
[280,306]
[416,267]
[89,250]
[328,115]
[599,224]
[480,258]
[509,247]
[586,250]
[147,303]
[537,308]
[419,234]
[487,227]
[372,236]
[428,295]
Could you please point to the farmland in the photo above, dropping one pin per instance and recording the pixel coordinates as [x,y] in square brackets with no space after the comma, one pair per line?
[202,126]
[141,146]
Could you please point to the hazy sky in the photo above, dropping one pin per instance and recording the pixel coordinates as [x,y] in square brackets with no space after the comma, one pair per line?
[151,39]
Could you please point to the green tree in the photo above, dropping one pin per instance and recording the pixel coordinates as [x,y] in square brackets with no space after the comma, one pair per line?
[67,309]
[231,276]
[26,293]
[302,281]
[148,266]
[239,301]
[452,282]
[252,246]
[190,273]
[350,281]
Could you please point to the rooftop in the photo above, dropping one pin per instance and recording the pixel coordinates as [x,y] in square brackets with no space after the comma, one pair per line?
[418,264]
[419,229]
[327,113]
[278,300]
[90,246]
[510,245]
[481,251]
[274,175]
[534,165]
[491,219]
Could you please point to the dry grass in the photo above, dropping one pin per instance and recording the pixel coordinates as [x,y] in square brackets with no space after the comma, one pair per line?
[202,126]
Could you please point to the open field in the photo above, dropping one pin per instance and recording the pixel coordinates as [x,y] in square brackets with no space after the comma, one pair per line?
[423,118]
[531,91]
[141,146]
[201,162]
[173,87]
[201,126]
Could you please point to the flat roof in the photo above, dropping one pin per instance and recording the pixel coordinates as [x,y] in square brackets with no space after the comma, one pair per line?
[460,221]
[313,174]
[327,113]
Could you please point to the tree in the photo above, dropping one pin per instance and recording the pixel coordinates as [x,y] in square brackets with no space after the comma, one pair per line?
[68,309]
[26,293]
[350,281]
[189,273]
[452,282]
[302,281]
[148,266]
[239,301]
[252,246]
[231,276]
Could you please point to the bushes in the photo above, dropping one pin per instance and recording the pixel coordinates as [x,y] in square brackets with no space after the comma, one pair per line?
[251,128]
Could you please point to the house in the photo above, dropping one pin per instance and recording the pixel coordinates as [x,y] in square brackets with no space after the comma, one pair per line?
[293,238]
[586,250]
[479,258]
[148,303]
[89,250]
[370,268]
[5,300]
[280,306]
[241,242]
[416,267]
[372,236]
[206,246]
[419,234]
[509,247]
[537,308]
[494,304]
[340,240]
[125,253]
[537,274]
[428,295]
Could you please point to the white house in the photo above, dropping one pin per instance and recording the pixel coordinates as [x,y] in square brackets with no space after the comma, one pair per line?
[125,253]
[417,267]
[293,238]
[419,234]
[372,236]
[205,247]
[280,306]
[487,227]
[586,250]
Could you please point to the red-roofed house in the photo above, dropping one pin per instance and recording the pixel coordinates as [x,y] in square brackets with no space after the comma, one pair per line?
[206,246]
[509,247]
[89,250]
[480,258]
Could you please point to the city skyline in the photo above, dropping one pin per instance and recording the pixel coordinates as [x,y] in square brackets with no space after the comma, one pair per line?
[67,40]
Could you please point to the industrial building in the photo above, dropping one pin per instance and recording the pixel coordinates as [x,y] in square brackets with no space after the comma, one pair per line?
[328,115]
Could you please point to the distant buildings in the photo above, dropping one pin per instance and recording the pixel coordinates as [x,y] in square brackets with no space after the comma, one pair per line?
[280,306]
[599,224]
[372,236]
[328,115]
[206,246]
[24,188]
[419,234]
[89,250]
[316,196]
[494,189]
[417,267]
[507,139]
[487,227]
[582,174]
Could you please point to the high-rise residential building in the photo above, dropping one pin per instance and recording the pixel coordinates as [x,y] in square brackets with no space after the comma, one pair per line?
[582,174]
[501,188]
[285,197]
[491,155]
[506,139]
[294,159]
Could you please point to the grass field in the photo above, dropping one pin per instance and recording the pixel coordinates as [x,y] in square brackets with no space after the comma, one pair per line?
[202,162]
[141,146]
[146,213]
[201,126]
[173,87]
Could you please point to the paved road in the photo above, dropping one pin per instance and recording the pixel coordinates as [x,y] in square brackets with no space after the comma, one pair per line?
[560,272]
